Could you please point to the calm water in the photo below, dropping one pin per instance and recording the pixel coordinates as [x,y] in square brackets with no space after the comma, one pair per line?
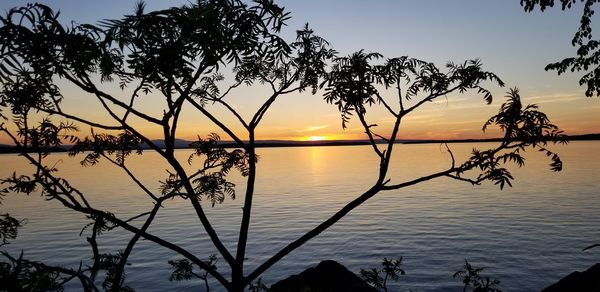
[527,236]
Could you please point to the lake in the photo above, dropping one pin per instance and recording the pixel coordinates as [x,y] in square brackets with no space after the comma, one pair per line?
[527,236]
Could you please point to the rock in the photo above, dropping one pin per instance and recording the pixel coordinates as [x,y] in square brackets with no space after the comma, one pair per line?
[588,281]
[328,276]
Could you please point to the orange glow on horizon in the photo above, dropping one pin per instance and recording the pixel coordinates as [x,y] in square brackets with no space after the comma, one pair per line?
[316,138]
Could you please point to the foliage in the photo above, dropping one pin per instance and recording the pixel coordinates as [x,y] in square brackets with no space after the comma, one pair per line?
[182,55]
[352,83]
[469,275]
[18,274]
[110,263]
[8,228]
[21,275]
[184,270]
[102,145]
[527,126]
[588,49]
[258,286]
[471,278]
[390,269]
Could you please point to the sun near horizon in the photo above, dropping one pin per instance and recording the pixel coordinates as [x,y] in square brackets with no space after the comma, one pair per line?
[316,138]
[306,117]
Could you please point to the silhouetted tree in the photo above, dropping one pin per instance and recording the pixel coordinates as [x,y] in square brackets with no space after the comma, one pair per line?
[378,278]
[18,274]
[182,54]
[471,278]
[184,270]
[9,228]
[588,49]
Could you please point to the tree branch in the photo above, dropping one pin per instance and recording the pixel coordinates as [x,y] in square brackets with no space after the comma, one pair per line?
[233,111]
[200,212]
[132,176]
[367,128]
[125,255]
[247,208]
[133,96]
[312,233]
[90,88]
[261,111]
[429,98]
[233,136]
[56,183]
[81,120]
[382,101]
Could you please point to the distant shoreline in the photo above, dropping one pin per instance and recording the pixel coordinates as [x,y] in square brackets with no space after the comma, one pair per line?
[585,137]
[183,144]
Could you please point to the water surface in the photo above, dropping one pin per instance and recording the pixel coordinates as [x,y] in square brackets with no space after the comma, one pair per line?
[528,236]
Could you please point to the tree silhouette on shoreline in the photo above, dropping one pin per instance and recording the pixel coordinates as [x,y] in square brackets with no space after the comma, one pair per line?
[587,57]
[182,55]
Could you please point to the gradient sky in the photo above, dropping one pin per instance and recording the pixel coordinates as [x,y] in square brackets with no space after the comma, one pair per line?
[513,44]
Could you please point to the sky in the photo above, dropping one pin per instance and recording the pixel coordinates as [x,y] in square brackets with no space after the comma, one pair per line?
[511,43]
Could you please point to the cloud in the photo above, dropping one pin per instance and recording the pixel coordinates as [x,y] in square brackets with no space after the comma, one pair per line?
[315,128]
[558,97]
[451,99]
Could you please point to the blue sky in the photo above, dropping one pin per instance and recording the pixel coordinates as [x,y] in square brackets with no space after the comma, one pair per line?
[513,44]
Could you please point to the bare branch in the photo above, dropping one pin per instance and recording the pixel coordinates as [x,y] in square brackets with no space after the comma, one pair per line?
[39,167]
[262,110]
[81,120]
[429,98]
[132,176]
[400,95]
[471,181]
[233,111]
[237,84]
[56,183]
[451,155]
[368,132]
[132,99]
[382,101]
[125,255]
[311,234]
[200,212]
[380,137]
[90,88]
[418,180]
[233,136]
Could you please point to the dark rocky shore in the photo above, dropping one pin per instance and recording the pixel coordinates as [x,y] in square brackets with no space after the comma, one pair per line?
[332,276]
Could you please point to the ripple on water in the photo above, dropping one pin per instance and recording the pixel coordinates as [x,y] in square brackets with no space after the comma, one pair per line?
[527,236]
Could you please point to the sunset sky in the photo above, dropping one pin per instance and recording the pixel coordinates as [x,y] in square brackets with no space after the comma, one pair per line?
[513,44]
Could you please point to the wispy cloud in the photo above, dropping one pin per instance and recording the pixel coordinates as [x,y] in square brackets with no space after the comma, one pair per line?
[558,97]
[451,99]
[315,128]
[424,117]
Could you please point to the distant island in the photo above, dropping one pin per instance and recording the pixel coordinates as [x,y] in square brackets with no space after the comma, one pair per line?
[185,144]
